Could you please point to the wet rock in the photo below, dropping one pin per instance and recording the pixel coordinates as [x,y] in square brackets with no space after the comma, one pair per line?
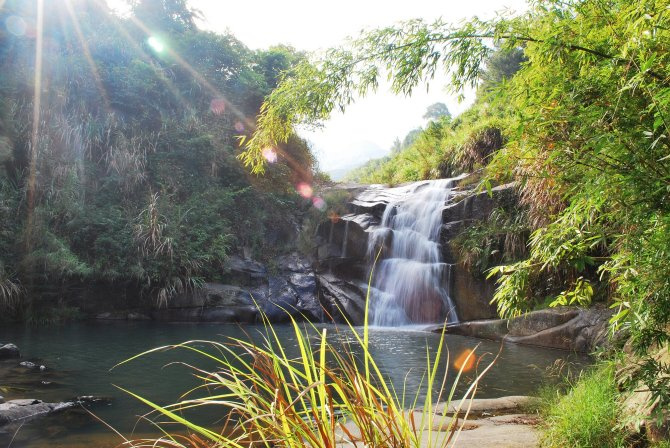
[293,262]
[2,399]
[471,295]
[32,366]
[282,300]
[8,351]
[342,242]
[243,314]
[304,284]
[18,410]
[343,301]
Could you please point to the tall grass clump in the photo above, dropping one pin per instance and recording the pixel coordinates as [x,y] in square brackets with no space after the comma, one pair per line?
[587,415]
[326,395]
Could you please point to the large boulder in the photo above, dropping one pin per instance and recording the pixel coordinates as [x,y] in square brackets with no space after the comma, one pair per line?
[477,206]
[567,328]
[8,351]
[343,301]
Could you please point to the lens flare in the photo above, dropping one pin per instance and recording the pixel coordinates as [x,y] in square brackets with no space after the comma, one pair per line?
[16,25]
[305,190]
[156,44]
[319,203]
[270,155]
[465,361]
[217,106]
[239,126]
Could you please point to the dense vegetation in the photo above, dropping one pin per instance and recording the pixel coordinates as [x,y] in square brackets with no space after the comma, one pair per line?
[583,128]
[118,151]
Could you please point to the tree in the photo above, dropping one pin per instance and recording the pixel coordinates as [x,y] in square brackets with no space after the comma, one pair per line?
[589,147]
[168,16]
[436,111]
[502,65]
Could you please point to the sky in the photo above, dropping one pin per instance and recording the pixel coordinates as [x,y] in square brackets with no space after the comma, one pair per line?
[369,126]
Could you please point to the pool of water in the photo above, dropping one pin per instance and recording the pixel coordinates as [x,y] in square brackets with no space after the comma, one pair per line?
[79,358]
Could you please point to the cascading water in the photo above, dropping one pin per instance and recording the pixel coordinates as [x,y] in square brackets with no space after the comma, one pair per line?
[410,284]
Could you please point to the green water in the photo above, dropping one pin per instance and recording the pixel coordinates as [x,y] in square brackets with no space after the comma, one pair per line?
[79,356]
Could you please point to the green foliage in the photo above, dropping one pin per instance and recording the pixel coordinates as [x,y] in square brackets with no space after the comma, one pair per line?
[584,131]
[501,239]
[135,179]
[586,415]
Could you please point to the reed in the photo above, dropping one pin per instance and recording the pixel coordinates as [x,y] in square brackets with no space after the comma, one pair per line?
[324,397]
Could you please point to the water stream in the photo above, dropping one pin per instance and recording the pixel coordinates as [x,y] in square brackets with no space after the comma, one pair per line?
[411,282]
[79,356]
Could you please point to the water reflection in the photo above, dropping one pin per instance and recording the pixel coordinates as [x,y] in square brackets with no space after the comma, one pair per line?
[79,356]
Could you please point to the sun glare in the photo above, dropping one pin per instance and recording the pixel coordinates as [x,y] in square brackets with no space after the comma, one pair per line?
[156,44]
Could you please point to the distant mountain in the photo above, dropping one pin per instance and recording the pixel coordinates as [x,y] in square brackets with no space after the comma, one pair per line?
[364,151]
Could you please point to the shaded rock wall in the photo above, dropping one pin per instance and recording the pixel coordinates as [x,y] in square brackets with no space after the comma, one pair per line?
[470,292]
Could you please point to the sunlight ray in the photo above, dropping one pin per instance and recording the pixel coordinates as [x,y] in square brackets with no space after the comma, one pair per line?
[87,55]
[36,123]
[131,41]
[250,124]
[196,75]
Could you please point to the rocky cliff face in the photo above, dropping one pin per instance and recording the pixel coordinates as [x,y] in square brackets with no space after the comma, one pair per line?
[342,245]
[332,286]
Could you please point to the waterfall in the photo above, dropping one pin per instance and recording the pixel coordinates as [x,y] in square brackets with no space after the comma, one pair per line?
[410,283]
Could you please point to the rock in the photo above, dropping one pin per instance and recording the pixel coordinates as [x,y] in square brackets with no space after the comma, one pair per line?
[112,315]
[334,251]
[471,295]
[641,413]
[490,423]
[246,272]
[212,294]
[122,315]
[304,284]
[478,206]
[17,410]
[8,351]
[282,300]
[222,314]
[343,301]
[576,329]
[491,406]
[32,366]
[293,262]
[2,399]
